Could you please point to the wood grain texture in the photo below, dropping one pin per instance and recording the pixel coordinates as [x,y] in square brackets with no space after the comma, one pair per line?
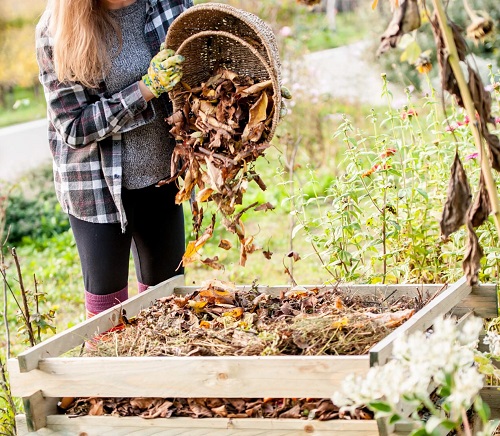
[75,336]
[116,426]
[246,376]
[422,320]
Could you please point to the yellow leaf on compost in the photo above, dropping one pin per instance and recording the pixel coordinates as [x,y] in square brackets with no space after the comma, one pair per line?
[340,323]
[297,292]
[339,305]
[205,324]
[374,4]
[197,306]
[234,313]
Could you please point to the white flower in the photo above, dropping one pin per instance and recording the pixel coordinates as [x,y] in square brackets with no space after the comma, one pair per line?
[492,339]
[467,382]
[418,360]
[471,331]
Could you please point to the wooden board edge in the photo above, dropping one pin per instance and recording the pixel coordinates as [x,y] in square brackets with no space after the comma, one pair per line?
[422,320]
[232,376]
[75,336]
[309,426]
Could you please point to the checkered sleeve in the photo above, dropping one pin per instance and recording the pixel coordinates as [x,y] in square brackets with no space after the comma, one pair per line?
[79,117]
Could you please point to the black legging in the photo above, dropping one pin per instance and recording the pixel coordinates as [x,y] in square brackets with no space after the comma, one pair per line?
[155,231]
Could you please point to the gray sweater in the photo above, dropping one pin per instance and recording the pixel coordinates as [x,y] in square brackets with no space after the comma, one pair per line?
[147,149]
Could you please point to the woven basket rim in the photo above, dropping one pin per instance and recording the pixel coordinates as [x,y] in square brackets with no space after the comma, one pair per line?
[251,20]
[270,70]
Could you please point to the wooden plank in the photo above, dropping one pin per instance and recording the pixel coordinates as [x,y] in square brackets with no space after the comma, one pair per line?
[491,396]
[37,408]
[75,336]
[231,376]
[216,426]
[422,320]
[107,425]
[483,300]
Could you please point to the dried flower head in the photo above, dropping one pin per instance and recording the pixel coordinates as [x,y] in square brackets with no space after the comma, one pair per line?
[482,27]
[423,64]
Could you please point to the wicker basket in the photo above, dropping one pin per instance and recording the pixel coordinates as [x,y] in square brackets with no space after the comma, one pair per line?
[214,35]
[219,16]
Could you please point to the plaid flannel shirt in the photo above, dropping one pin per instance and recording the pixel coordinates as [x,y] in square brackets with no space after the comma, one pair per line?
[85,125]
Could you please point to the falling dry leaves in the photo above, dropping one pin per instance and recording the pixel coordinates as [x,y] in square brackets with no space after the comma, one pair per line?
[220,131]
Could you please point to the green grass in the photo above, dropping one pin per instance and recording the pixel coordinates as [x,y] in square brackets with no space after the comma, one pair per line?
[30,106]
[312,30]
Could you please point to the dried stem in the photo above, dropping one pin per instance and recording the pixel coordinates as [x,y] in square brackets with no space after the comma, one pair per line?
[454,62]
[26,309]
[4,311]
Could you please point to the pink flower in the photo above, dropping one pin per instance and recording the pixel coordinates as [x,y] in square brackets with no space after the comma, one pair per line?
[472,156]
[408,114]
[451,127]
[286,31]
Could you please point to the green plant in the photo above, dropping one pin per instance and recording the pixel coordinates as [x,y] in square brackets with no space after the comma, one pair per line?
[379,219]
[33,212]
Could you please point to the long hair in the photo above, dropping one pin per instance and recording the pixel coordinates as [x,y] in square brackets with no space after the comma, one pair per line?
[79,29]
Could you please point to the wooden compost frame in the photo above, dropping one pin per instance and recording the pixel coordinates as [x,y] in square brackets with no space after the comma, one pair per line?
[41,377]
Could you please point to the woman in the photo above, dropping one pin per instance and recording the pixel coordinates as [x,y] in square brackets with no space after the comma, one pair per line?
[106,76]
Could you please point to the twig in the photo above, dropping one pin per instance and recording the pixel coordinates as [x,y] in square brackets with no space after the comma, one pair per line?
[4,311]
[26,311]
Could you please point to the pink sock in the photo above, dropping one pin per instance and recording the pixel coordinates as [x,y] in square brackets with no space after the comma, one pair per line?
[98,303]
[142,287]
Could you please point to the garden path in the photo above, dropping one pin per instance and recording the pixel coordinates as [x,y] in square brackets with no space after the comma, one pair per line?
[347,73]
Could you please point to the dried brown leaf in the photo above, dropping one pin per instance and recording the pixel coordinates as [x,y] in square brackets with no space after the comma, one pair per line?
[213,263]
[265,206]
[481,207]
[457,201]
[96,407]
[258,114]
[406,17]
[472,257]
[294,255]
[258,87]
[225,244]
[448,79]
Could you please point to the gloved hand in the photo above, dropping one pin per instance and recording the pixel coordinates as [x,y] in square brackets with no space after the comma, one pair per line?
[285,94]
[164,72]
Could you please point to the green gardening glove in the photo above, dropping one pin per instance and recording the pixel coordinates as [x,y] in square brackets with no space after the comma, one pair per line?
[164,72]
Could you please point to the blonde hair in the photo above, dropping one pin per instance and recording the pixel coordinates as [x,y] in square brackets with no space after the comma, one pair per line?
[79,29]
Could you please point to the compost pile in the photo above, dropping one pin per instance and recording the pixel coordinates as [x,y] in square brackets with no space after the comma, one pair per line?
[220,130]
[219,320]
